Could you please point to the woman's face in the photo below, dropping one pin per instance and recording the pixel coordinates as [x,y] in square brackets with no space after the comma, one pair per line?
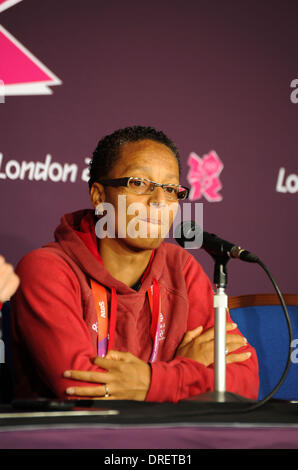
[145,228]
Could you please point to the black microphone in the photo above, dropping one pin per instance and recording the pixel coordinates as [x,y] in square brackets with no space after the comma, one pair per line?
[189,234]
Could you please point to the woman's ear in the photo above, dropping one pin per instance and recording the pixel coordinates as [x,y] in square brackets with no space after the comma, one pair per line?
[97,194]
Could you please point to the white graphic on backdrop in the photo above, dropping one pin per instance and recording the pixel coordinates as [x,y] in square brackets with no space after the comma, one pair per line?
[4,4]
[286,184]
[47,170]
[294,94]
[21,73]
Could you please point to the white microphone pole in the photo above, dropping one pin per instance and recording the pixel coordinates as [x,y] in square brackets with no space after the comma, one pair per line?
[220,306]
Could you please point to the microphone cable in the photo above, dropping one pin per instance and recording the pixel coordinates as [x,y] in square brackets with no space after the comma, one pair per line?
[290,330]
[260,403]
[210,242]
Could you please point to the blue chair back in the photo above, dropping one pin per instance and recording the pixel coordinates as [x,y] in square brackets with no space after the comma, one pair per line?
[262,321]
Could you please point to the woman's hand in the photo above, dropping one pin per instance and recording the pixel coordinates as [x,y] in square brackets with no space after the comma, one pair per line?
[200,346]
[127,378]
[9,281]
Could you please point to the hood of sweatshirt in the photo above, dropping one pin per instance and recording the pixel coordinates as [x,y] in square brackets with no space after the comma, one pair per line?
[77,238]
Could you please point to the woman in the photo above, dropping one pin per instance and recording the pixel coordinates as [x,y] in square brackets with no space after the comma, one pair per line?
[122,316]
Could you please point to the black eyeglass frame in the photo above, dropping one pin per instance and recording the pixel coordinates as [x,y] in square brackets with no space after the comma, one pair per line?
[125,182]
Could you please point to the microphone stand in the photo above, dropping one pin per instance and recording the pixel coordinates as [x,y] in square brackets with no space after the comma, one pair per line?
[220,303]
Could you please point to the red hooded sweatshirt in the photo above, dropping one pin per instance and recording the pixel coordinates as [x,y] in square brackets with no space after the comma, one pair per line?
[53,318]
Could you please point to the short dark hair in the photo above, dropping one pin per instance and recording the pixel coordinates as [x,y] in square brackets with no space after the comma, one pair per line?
[108,148]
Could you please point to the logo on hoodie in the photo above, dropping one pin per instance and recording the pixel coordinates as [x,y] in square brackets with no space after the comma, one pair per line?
[102,309]
[21,73]
[162,328]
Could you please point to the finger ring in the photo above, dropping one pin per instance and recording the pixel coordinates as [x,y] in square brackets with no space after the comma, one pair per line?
[106,391]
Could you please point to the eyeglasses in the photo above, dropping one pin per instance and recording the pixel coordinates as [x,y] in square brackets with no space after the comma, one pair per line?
[144,186]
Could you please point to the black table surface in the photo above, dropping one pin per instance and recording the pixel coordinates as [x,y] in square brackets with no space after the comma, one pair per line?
[125,412]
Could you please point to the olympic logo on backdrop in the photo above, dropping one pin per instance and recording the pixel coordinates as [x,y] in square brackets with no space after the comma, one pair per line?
[21,73]
[203,176]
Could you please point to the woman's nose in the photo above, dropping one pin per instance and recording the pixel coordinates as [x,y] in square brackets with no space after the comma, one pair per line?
[158,197]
